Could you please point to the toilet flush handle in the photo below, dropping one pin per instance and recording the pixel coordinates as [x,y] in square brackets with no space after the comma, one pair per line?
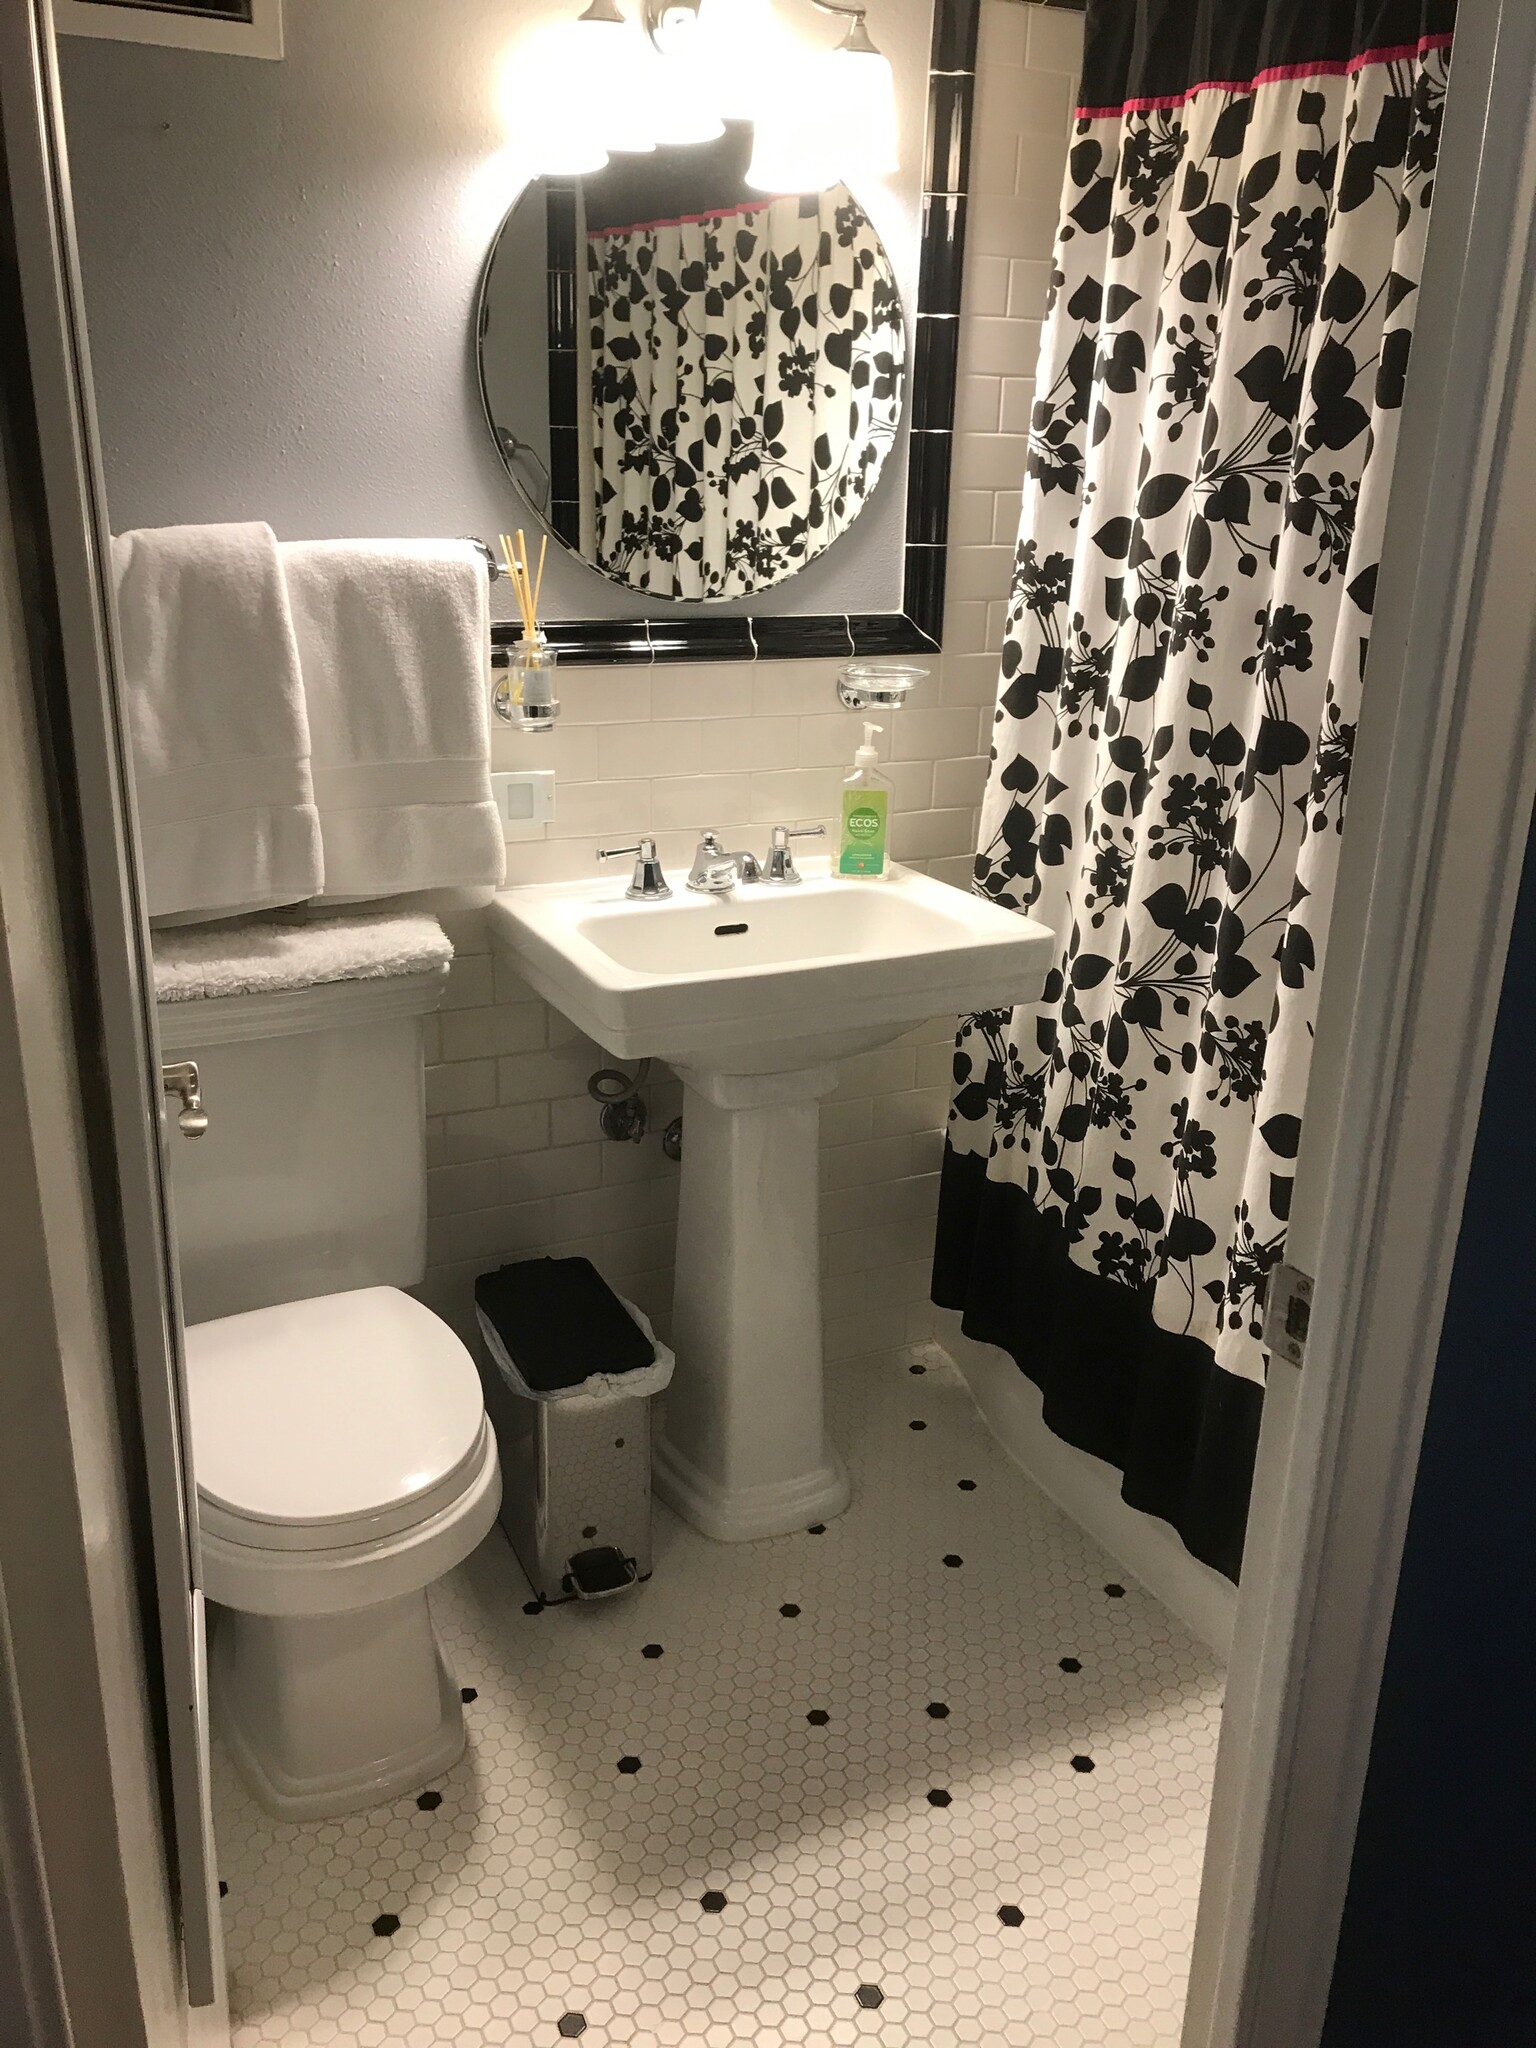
[180,1078]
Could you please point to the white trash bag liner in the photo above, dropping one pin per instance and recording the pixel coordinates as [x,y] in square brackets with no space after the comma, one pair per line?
[599,1389]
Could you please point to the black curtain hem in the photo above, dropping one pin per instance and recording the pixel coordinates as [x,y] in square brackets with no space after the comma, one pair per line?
[1181,1430]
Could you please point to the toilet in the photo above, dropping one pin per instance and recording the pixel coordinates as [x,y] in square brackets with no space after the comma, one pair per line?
[339,1442]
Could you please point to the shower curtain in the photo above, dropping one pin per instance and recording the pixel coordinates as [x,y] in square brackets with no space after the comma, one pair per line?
[1216,412]
[746,389]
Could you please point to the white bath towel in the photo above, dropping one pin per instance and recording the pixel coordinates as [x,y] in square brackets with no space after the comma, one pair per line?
[216,717]
[259,955]
[394,644]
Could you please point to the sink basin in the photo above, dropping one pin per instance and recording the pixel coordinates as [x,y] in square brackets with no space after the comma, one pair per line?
[767,979]
[754,997]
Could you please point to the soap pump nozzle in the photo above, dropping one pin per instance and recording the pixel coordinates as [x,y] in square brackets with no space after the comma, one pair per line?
[867,755]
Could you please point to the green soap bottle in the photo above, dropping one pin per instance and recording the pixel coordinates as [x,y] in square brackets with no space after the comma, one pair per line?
[864,823]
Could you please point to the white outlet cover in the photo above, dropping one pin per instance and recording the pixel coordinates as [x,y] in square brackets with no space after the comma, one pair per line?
[525,797]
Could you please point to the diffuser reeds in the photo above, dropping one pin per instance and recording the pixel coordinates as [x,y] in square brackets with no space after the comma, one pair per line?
[525,585]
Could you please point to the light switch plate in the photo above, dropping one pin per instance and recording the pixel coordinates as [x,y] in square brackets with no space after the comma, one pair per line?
[525,798]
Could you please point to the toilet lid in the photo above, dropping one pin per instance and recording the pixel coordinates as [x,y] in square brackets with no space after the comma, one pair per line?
[330,1420]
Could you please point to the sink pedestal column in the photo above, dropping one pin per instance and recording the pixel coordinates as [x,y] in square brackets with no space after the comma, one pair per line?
[745,1452]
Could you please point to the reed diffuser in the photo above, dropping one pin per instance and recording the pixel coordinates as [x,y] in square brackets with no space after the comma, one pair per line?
[524,695]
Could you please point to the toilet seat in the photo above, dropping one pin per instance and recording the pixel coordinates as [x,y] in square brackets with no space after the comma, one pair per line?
[334,1421]
[341,1450]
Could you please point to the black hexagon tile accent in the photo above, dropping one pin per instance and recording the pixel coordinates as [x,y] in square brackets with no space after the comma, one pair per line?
[869,1996]
[533,1607]
[789,1610]
[652,1650]
[817,1529]
[1069,1664]
[953,1559]
[1082,1763]
[387,1923]
[938,1796]
[429,1801]
[468,1693]
[571,2024]
[1010,1916]
[917,1368]
[818,1717]
[1115,1592]
[628,1765]
[918,1424]
[713,1902]
[937,1710]
[966,1485]
[223,1889]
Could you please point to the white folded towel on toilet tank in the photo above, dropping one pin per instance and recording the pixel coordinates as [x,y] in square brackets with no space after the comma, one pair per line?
[216,720]
[394,642]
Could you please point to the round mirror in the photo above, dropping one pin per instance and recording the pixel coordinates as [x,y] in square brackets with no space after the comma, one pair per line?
[695,385]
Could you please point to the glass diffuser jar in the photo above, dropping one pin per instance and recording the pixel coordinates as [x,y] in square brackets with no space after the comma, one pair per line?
[524,692]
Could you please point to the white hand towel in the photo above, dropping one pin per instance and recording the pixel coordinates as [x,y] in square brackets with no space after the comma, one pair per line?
[215,706]
[394,640]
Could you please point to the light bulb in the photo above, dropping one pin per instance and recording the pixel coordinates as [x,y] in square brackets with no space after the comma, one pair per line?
[741,44]
[549,122]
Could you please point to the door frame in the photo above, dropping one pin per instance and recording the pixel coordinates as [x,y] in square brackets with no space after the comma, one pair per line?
[1443,781]
[63,546]
[1441,794]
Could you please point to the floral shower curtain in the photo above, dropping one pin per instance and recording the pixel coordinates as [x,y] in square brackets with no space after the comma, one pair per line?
[1214,427]
[746,389]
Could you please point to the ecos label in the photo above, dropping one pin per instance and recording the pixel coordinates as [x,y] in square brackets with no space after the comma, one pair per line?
[865,817]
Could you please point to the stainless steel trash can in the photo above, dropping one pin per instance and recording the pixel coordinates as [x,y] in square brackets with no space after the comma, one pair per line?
[575,1461]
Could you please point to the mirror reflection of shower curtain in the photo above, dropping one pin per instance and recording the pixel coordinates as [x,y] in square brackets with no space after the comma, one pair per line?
[746,388]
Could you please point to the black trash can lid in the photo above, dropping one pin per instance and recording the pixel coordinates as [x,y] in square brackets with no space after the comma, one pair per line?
[559,1322]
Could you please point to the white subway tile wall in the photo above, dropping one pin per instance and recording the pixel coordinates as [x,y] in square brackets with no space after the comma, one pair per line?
[516,1165]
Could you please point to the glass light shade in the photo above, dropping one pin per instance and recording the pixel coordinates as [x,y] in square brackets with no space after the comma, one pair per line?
[549,121]
[616,72]
[682,84]
[740,42]
[858,98]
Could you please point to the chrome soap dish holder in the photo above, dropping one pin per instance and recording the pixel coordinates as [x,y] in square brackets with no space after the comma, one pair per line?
[877,685]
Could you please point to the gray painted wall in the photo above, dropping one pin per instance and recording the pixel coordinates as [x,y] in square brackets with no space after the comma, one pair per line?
[281,262]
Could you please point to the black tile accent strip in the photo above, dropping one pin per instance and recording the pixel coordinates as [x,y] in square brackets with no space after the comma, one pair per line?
[954,35]
[942,263]
[693,633]
[948,164]
[930,462]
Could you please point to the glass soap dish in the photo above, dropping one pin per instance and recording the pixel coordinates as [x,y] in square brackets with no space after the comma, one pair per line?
[523,684]
[877,685]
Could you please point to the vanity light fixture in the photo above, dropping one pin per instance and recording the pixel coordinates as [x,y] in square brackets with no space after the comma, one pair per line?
[580,89]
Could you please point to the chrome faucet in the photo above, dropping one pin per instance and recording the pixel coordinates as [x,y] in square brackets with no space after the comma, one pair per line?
[781,869]
[648,884]
[716,872]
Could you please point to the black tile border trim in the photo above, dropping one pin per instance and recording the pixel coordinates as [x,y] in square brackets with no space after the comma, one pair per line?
[698,633]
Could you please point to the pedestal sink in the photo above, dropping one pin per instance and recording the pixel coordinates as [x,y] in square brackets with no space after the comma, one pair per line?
[753,998]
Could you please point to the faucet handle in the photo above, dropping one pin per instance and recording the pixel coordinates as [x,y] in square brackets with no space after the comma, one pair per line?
[648,884]
[781,862]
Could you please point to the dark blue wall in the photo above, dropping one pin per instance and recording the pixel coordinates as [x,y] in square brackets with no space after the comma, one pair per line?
[1438,1947]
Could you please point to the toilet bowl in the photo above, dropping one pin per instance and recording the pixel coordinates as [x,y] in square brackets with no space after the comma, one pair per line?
[343,1463]
[339,1444]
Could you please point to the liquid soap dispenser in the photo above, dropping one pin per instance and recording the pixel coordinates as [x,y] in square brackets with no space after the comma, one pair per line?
[863,844]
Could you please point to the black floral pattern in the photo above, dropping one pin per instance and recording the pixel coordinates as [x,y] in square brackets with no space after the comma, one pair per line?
[747,379]
[1208,462]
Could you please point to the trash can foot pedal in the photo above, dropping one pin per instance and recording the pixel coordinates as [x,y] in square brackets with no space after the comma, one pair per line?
[599,1574]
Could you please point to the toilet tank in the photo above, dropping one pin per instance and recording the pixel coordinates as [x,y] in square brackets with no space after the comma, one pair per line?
[311,1177]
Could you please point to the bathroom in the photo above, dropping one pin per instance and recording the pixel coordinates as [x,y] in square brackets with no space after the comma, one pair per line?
[887,1699]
